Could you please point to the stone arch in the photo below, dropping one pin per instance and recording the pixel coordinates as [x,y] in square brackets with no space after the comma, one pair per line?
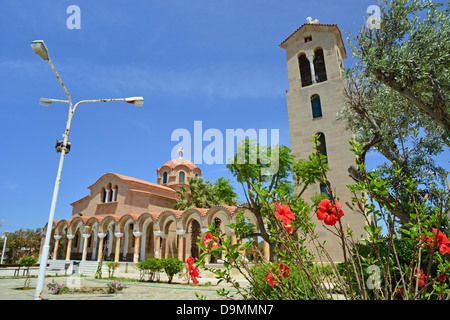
[127,242]
[221,213]
[108,225]
[168,224]
[145,224]
[319,65]
[305,69]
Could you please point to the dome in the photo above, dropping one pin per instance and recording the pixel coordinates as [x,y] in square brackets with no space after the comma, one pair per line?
[177,172]
[172,164]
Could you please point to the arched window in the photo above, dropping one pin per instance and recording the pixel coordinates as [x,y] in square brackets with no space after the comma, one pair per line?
[165,178]
[305,70]
[323,189]
[319,66]
[322,146]
[316,106]
[181,177]
[103,195]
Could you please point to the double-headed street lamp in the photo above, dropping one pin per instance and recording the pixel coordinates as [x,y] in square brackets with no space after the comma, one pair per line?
[40,49]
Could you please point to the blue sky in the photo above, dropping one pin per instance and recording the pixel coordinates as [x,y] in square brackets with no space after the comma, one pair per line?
[212,61]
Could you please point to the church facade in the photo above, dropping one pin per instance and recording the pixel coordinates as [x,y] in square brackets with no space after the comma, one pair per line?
[128,219]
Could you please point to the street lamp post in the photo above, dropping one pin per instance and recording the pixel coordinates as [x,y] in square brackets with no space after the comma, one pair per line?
[39,47]
[4,247]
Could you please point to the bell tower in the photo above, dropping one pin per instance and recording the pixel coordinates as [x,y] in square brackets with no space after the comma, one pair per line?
[314,55]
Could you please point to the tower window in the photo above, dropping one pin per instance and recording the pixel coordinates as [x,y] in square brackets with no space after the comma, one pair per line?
[305,70]
[316,106]
[181,177]
[322,146]
[323,189]
[165,178]
[319,66]
[308,39]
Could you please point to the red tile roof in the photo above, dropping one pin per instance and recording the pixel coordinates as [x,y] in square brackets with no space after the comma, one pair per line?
[317,25]
[172,164]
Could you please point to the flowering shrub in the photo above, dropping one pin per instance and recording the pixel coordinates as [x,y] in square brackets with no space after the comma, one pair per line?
[56,288]
[112,266]
[115,286]
[410,261]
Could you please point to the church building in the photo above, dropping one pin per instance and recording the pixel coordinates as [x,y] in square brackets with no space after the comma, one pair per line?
[129,219]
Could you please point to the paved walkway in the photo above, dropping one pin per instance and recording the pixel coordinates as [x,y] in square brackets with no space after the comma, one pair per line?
[11,288]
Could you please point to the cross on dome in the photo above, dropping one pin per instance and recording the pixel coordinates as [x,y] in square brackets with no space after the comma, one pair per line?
[180,152]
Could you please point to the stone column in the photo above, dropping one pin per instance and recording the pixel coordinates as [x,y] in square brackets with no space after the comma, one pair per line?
[86,236]
[157,234]
[107,195]
[69,245]
[313,72]
[137,242]
[55,248]
[100,245]
[117,253]
[180,235]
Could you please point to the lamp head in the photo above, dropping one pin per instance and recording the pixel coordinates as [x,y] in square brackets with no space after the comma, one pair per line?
[137,101]
[39,48]
[45,102]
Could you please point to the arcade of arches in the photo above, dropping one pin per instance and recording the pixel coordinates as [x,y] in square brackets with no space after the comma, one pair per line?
[128,219]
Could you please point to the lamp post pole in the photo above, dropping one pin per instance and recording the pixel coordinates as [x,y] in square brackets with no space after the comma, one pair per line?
[40,48]
[4,247]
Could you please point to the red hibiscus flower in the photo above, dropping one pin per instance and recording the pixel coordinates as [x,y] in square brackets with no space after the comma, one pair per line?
[443,243]
[285,214]
[327,212]
[271,280]
[284,271]
[421,278]
[210,238]
[192,271]
[190,261]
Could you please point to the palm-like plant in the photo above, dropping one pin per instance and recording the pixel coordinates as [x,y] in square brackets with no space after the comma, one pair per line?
[205,194]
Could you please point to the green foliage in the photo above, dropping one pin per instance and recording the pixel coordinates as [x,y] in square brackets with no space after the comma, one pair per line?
[262,290]
[27,261]
[172,267]
[150,267]
[112,266]
[398,93]
[201,194]
[153,266]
